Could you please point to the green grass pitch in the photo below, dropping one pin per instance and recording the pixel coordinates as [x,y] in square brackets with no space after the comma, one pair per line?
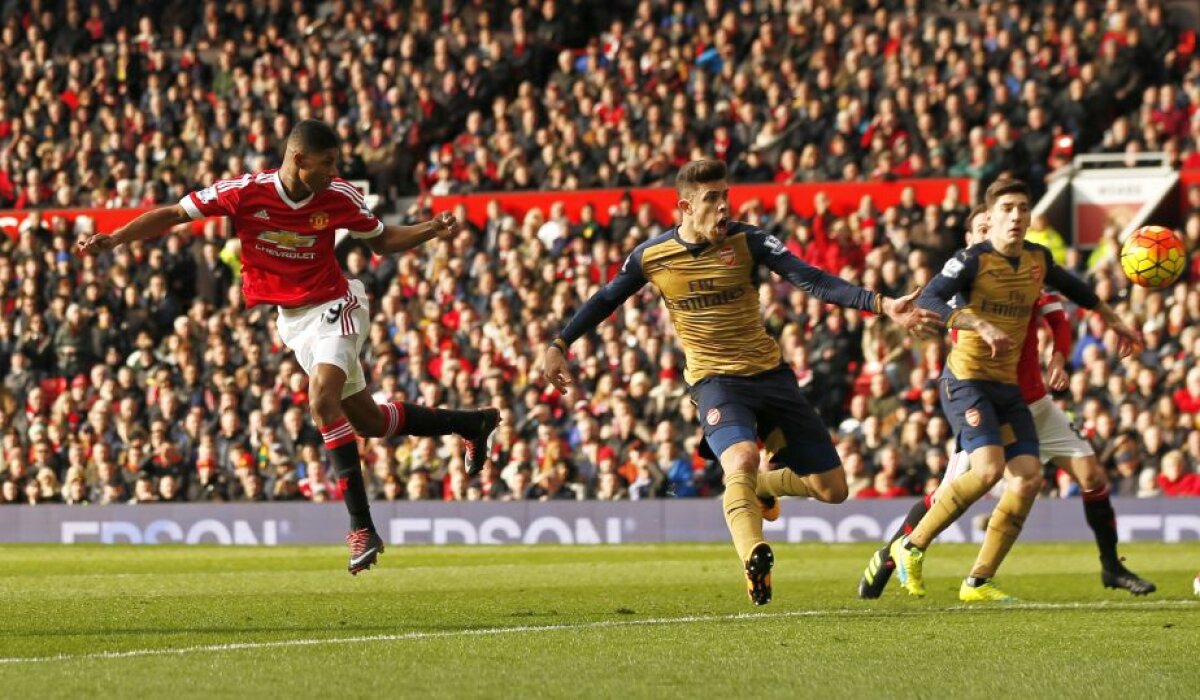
[609,621]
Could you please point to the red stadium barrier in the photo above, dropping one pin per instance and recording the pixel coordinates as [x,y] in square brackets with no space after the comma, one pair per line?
[104,220]
[844,196]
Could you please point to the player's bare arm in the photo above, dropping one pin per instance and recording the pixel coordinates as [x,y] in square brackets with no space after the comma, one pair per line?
[1058,377]
[997,340]
[555,367]
[152,224]
[1128,339]
[397,239]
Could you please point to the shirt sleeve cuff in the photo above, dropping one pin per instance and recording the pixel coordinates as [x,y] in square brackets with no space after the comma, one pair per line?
[190,207]
[367,234]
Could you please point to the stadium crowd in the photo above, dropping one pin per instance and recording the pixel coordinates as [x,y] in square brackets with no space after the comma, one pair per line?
[139,376]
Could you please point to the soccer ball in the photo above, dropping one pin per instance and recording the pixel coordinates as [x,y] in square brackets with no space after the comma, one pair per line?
[1153,256]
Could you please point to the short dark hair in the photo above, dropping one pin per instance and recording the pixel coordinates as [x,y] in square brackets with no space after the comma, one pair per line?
[311,135]
[699,172]
[975,211]
[999,188]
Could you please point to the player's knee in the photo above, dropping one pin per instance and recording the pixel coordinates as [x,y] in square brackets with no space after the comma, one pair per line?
[835,493]
[738,460]
[1092,477]
[1027,486]
[989,472]
[324,407]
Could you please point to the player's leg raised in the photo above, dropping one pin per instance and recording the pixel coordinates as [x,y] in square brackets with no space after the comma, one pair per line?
[796,438]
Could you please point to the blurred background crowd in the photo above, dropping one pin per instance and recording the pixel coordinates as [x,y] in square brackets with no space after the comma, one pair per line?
[139,376]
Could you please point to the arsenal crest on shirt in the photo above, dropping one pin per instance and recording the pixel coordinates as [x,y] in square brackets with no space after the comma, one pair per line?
[727,255]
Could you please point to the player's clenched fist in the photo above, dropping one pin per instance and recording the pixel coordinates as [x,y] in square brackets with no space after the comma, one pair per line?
[445,226]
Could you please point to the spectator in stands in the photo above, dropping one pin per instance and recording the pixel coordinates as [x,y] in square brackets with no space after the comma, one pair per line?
[1175,478]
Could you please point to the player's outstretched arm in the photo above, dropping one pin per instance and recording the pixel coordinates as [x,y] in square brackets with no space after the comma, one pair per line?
[1081,293]
[903,310]
[599,307]
[397,239]
[1128,340]
[152,224]
[770,251]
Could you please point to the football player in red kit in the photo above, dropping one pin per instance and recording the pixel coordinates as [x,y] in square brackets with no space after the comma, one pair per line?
[286,220]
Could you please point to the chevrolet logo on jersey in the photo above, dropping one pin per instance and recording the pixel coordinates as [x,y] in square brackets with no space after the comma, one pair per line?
[287,239]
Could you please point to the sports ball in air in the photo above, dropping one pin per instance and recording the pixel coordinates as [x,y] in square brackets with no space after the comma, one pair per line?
[1153,256]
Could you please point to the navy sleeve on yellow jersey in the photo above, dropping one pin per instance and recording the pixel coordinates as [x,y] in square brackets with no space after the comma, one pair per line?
[628,281]
[1071,286]
[769,251]
[954,281]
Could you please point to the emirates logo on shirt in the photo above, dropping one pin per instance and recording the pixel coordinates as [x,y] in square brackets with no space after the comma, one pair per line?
[319,220]
[287,239]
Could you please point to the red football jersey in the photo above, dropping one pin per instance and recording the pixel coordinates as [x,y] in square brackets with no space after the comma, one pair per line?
[1029,368]
[287,246]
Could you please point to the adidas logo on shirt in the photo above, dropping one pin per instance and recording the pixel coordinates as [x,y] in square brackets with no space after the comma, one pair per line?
[261,214]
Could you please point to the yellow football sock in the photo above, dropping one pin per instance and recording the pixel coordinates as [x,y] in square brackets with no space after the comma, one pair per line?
[742,512]
[782,482]
[1003,528]
[959,496]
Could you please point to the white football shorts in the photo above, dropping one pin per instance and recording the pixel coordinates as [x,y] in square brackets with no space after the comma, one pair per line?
[1056,438]
[331,333]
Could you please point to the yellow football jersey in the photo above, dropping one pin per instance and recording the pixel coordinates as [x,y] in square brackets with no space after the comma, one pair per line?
[1002,291]
[711,296]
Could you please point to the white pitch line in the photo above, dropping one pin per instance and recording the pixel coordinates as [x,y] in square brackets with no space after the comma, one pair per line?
[604,624]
